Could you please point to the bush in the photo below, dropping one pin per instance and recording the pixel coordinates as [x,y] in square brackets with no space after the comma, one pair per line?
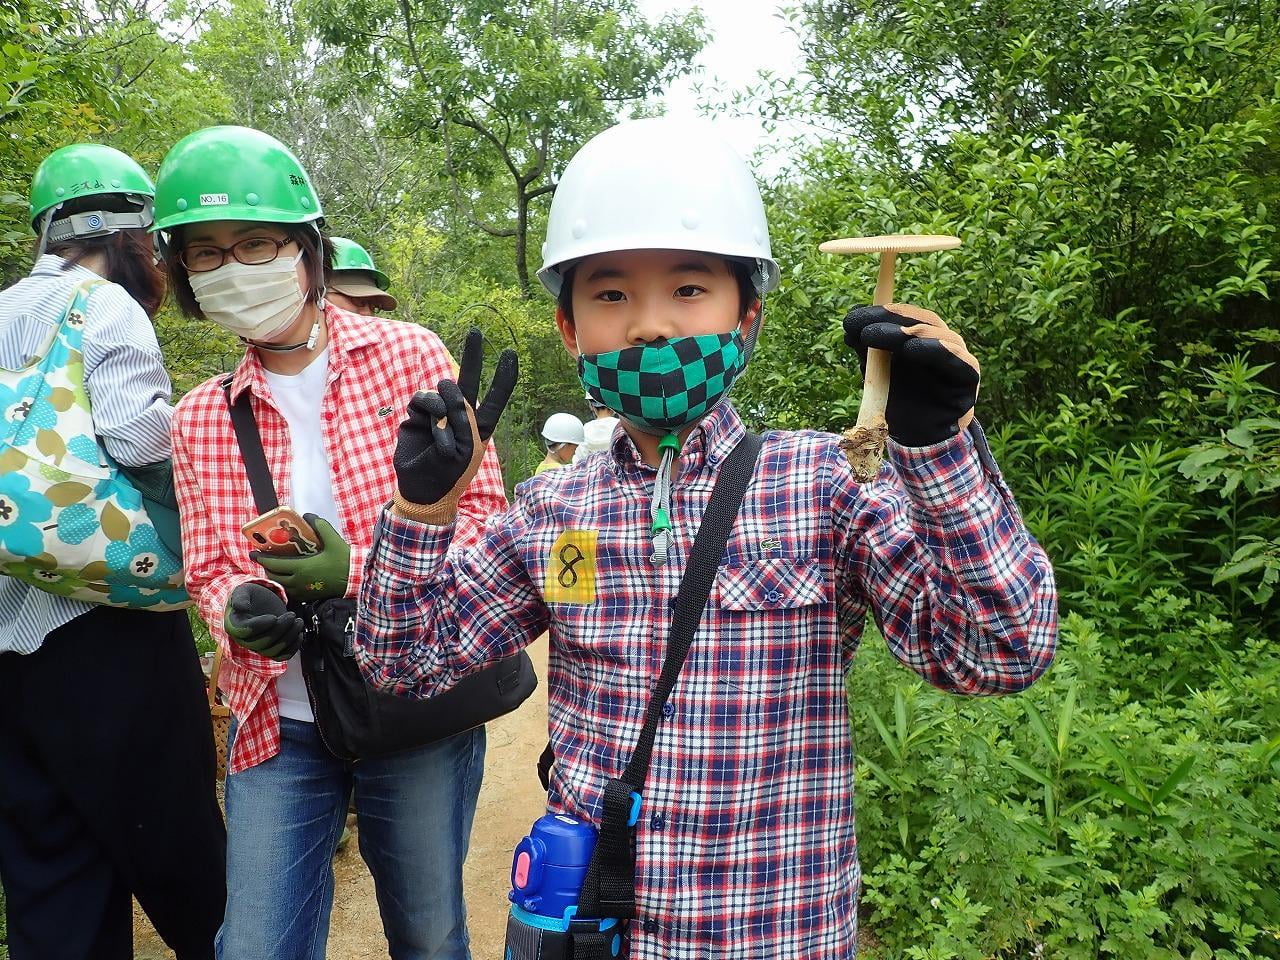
[1125,806]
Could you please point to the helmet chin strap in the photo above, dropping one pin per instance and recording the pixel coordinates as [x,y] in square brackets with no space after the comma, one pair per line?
[44,230]
[309,343]
[761,278]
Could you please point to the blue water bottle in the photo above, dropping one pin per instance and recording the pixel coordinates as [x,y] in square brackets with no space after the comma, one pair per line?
[546,882]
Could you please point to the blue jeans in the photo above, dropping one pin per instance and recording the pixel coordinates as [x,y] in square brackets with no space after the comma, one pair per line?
[284,818]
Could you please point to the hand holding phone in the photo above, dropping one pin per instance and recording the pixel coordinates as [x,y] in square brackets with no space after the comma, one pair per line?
[282,532]
[317,575]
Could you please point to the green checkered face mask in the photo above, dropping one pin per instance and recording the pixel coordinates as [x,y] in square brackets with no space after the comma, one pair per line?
[668,384]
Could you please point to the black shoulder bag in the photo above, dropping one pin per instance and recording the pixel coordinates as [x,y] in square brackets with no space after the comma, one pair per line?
[354,720]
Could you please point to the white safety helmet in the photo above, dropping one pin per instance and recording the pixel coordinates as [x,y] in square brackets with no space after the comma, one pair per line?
[657,184]
[563,428]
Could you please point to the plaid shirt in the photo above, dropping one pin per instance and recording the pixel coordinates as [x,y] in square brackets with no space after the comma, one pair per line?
[746,847]
[375,365]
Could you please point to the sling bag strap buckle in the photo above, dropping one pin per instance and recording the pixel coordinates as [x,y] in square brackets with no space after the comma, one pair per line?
[588,942]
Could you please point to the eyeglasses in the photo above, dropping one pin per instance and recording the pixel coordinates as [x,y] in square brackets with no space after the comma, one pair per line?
[203,257]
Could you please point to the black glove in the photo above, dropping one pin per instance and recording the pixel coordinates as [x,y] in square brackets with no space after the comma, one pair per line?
[435,463]
[256,619]
[930,388]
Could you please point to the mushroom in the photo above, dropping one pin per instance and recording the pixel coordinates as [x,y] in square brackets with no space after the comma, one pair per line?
[863,443]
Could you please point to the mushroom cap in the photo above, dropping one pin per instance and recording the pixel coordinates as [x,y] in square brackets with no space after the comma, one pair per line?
[892,243]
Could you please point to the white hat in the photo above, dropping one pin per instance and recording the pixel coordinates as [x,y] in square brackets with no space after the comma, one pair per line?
[657,184]
[562,428]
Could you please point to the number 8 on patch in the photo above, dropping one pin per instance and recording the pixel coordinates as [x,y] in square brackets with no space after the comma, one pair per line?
[571,568]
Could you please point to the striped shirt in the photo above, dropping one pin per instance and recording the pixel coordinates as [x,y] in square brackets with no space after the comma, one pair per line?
[128,392]
[746,847]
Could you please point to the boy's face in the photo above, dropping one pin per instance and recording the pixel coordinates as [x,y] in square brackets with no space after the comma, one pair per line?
[633,297]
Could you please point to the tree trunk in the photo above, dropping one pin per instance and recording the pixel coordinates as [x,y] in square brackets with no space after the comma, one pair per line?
[522,241]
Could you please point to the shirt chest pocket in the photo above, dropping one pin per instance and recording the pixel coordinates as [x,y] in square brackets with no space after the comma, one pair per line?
[768,616]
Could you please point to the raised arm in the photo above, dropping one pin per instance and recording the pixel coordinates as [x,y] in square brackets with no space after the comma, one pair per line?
[429,616]
[936,546]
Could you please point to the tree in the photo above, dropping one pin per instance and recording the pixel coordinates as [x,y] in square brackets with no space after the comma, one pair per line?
[508,91]
[108,71]
[1107,166]
[283,81]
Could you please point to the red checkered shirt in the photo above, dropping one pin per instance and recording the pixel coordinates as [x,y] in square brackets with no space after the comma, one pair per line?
[746,847]
[375,365]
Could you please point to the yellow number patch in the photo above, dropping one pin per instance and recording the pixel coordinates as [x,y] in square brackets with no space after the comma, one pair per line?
[571,568]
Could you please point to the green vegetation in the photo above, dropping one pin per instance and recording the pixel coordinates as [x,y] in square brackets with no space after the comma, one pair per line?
[1114,172]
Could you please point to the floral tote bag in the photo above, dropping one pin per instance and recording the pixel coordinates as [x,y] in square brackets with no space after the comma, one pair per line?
[70,522]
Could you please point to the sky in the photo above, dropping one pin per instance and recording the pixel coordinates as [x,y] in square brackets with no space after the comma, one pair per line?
[746,36]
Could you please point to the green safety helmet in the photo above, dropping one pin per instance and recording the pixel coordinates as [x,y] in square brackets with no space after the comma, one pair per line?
[87,170]
[355,276]
[232,173]
[349,255]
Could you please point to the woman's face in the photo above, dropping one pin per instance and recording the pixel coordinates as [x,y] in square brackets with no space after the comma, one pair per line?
[209,245]
[225,234]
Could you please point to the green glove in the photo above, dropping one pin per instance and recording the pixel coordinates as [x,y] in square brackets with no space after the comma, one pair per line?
[256,619]
[317,577]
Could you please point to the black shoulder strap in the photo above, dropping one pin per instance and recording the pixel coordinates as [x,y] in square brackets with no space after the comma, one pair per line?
[609,887]
[251,452]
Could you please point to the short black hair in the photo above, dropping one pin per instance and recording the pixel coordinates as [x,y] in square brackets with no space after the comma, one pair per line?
[742,272]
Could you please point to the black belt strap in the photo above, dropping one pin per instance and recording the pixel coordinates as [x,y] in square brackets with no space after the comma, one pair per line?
[255,458]
[609,887]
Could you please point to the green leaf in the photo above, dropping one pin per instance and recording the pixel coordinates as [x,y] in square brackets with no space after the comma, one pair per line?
[67,493]
[1116,757]
[1200,458]
[881,774]
[900,716]
[50,444]
[96,571]
[1174,779]
[885,735]
[1239,569]
[1065,717]
[1062,860]
[904,830]
[1121,794]
[60,398]
[114,523]
[1037,724]
[1079,805]
[1027,770]
[11,460]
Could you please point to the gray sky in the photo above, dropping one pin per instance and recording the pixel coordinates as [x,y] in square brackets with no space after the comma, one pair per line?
[746,36]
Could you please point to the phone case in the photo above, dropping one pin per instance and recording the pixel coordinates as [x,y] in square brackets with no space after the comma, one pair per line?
[283,533]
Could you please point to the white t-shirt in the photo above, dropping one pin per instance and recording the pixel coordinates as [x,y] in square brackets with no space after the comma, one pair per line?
[300,398]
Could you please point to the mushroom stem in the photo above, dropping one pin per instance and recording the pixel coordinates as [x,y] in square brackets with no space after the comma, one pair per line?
[864,443]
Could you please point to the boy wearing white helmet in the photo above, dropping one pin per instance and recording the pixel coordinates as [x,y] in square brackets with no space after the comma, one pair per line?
[597,432]
[562,434]
[744,844]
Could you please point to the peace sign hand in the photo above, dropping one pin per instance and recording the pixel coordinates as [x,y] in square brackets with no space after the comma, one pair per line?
[442,440]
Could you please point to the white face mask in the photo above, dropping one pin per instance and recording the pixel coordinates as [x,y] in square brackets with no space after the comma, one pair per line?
[255,301]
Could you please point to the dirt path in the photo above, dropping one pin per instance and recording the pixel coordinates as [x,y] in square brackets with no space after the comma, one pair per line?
[510,800]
